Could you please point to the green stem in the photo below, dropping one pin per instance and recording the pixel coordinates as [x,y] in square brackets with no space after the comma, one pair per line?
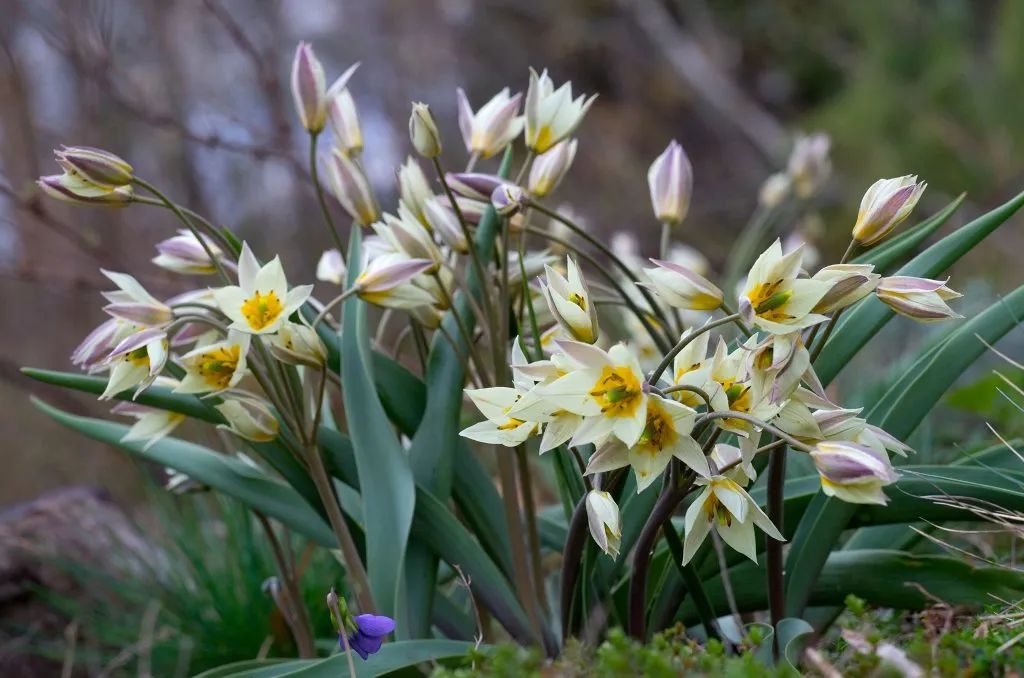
[666,237]
[760,423]
[314,173]
[683,343]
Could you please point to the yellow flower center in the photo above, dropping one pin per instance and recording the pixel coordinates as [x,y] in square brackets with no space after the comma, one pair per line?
[512,423]
[261,310]
[545,139]
[617,391]
[216,367]
[139,357]
[769,302]
[658,433]
[578,300]
[715,511]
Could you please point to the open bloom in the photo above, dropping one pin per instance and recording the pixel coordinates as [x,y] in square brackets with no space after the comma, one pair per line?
[682,288]
[549,167]
[666,434]
[216,367]
[727,508]
[692,368]
[670,180]
[309,90]
[493,126]
[849,284]
[501,426]
[853,473]
[918,298]
[551,115]
[261,301]
[570,302]
[370,631]
[604,521]
[132,303]
[605,388]
[887,203]
[776,300]
[408,235]
[445,223]
[151,424]
[136,362]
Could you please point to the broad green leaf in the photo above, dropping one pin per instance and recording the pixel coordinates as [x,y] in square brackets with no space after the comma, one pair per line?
[886,578]
[432,451]
[793,633]
[889,253]
[221,472]
[244,668]
[862,322]
[392,657]
[382,464]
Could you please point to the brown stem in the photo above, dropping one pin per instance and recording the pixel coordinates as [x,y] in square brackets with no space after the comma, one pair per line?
[776,590]
[533,538]
[297,616]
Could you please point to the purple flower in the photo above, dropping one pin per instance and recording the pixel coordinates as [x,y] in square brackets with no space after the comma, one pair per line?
[369,633]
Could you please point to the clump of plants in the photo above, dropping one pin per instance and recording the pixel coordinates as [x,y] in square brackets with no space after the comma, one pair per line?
[660,408]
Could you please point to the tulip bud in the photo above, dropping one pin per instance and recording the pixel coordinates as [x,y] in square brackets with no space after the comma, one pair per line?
[331,267]
[809,166]
[918,298]
[95,166]
[352,189]
[472,210]
[605,523]
[296,344]
[474,185]
[413,188]
[670,179]
[853,473]
[682,288]
[551,114]
[774,190]
[308,87]
[383,281]
[344,121]
[508,199]
[884,206]
[850,283]
[423,131]
[184,253]
[248,418]
[446,224]
[569,302]
[549,168]
[74,189]
[406,234]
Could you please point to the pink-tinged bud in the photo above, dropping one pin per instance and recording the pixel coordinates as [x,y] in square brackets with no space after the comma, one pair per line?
[472,210]
[670,180]
[474,184]
[309,88]
[97,345]
[74,189]
[96,166]
[682,288]
[493,127]
[853,473]
[248,418]
[508,199]
[184,253]
[887,203]
[388,271]
[809,165]
[426,139]
[850,283]
[446,225]
[549,168]
[296,344]
[413,188]
[352,189]
[344,121]
[918,298]
[331,267]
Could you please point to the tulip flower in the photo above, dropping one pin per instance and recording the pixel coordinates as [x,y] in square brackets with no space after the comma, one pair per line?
[604,521]
[344,122]
[385,280]
[666,434]
[776,300]
[95,166]
[309,89]
[249,418]
[853,473]
[474,185]
[809,166]
[75,189]
[413,188]
[445,223]
[298,344]
[426,139]
[331,267]
[351,188]
[151,424]
[493,127]
[508,199]
[549,167]
[407,235]
[551,115]
[132,303]
[500,426]
[184,253]
[918,298]
[136,362]
[261,301]
[216,367]
[682,288]
[887,203]
[849,284]
[570,303]
[670,180]
[90,354]
[727,508]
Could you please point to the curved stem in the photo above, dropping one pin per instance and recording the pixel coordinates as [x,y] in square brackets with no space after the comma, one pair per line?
[464,330]
[683,343]
[332,304]
[760,423]
[728,310]
[685,387]
[318,189]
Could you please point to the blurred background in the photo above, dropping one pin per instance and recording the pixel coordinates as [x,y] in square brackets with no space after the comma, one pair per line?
[195,94]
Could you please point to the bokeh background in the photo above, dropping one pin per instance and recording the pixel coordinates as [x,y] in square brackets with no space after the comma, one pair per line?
[195,94]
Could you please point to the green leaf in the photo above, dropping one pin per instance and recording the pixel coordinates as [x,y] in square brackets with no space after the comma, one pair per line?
[861,323]
[392,657]
[793,634]
[244,668]
[887,254]
[221,472]
[381,463]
